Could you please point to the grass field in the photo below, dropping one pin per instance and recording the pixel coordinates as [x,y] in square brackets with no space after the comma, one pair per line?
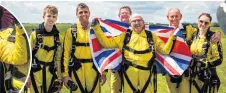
[162,86]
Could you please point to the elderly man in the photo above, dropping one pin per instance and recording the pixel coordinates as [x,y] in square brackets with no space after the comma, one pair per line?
[138,47]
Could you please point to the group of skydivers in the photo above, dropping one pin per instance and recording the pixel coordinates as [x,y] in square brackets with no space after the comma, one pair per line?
[67,61]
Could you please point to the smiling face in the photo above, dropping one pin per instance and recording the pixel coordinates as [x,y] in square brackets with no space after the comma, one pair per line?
[203,23]
[124,14]
[83,14]
[50,14]
[49,19]
[174,16]
[137,23]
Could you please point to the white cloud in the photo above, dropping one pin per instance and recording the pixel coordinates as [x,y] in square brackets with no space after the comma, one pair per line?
[153,11]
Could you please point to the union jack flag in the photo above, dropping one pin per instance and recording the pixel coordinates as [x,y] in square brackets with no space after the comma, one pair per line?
[174,64]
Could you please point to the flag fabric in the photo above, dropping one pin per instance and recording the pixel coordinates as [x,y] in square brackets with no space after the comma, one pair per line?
[107,58]
[174,64]
[179,59]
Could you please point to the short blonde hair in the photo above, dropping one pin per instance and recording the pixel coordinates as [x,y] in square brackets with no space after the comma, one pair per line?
[50,9]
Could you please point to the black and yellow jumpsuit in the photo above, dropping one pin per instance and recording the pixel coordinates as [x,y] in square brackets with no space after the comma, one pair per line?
[137,42]
[47,55]
[183,86]
[12,53]
[83,64]
[205,52]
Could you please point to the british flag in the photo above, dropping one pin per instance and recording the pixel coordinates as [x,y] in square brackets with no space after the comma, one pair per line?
[174,64]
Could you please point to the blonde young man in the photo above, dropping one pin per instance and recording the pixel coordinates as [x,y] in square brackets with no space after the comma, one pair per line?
[78,64]
[181,84]
[46,44]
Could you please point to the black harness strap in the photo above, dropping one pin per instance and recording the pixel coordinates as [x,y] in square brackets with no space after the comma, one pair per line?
[33,82]
[126,63]
[75,63]
[2,78]
[204,74]
[36,63]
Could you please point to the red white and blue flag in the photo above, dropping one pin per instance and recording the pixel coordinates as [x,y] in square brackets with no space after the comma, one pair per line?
[174,64]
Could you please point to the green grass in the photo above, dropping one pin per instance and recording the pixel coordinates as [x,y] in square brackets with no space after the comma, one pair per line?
[162,85]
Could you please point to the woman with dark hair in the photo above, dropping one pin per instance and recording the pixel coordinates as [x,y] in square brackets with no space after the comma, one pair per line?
[206,56]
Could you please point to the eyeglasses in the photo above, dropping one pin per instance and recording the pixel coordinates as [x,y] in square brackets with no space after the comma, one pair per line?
[205,23]
[126,13]
[139,21]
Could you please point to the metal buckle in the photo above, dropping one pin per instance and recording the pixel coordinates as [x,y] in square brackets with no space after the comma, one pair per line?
[34,65]
[71,63]
[73,46]
[74,31]
[39,38]
[152,46]
[8,75]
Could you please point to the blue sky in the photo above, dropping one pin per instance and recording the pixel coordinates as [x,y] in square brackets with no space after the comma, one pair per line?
[152,11]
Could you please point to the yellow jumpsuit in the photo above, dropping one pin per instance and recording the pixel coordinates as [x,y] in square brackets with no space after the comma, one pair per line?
[213,54]
[115,82]
[13,53]
[137,42]
[86,73]
[45,56]
[184,84]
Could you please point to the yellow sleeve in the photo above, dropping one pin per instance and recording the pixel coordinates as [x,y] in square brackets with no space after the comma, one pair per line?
[14,53]
[160,46]
[214,54]
[58,57]
[190,31]
[17,84]
[115,42]
[32,39]
[67,51]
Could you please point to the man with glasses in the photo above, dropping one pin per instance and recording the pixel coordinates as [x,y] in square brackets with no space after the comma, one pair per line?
[180,84]
[124,14]
[138,52]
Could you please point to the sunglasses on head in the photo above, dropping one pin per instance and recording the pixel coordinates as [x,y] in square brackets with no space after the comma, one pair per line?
[201,21]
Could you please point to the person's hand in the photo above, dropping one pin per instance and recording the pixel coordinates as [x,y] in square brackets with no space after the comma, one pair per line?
[65,80]
[57,85]
[95,22]
[68,82]
[28,83]
[216,37]
[103,79]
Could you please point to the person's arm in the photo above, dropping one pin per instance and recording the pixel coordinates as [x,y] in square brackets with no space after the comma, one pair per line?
[160,46]
[214,54]
[67,52]
[108,42]
[58,57]
[15,54]
[33,39]
[190,31]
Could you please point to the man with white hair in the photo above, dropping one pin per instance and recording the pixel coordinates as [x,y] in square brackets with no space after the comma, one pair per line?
[138,47]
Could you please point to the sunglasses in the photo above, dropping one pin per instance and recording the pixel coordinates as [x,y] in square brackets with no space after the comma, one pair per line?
[205,23]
